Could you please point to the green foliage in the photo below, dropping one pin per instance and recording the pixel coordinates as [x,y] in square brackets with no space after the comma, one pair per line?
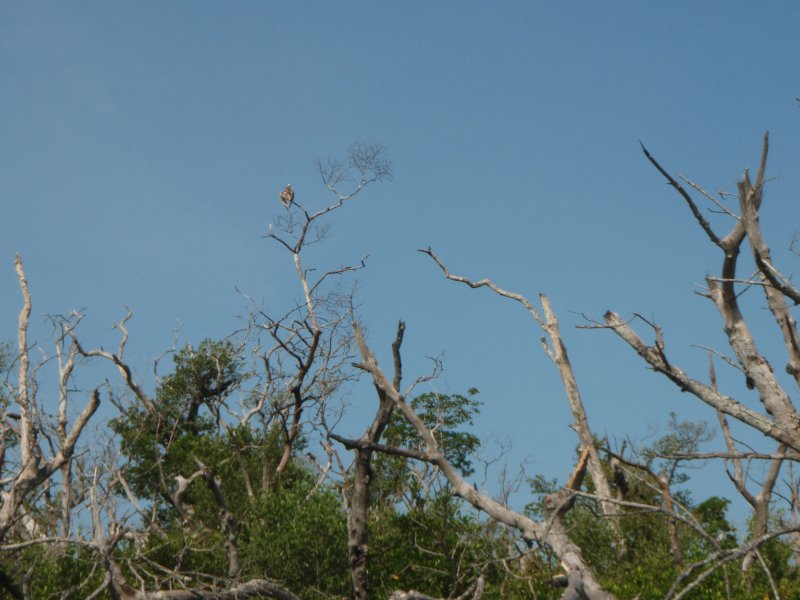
[711,514]
[683,437]
[286,529]
[202,377]
[300,539]
[421,536]
[444,415]
[55,572]
[435,546]
[540,487]
[293,530]
[447,416]
[160,444]
[646,569]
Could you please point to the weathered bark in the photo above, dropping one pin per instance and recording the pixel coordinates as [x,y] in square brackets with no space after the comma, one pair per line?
[34,471]
[776,286]
[784,424]
[357,531]
[304,337]
[655,357]
[118,361]
[761,501]
[781,421]
[228,522]
[558,353]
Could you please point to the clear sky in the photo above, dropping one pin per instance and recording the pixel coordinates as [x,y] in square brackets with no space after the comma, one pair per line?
[143,146]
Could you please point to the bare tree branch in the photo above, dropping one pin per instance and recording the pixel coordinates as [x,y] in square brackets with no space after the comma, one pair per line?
[34,469]
[582,582]
[557,351]
[706,226]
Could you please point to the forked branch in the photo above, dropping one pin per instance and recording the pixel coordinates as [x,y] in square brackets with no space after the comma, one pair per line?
[557,351]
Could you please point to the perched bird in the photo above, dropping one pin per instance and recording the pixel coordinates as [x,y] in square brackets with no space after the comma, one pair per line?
[287,196]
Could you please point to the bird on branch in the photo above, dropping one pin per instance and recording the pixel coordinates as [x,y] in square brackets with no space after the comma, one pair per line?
[287,196]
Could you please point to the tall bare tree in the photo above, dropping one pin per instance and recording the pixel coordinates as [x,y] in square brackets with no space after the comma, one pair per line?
[779,419]
[41,455]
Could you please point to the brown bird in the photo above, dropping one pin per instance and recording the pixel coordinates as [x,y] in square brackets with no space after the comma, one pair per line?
[287,196]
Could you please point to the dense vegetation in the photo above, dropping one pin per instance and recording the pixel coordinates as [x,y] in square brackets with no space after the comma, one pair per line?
[292,526]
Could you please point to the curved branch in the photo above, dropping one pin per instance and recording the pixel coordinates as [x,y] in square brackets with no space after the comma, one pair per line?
[582,581]
[557,352]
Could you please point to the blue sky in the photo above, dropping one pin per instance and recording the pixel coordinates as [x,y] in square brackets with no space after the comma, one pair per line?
[143,146]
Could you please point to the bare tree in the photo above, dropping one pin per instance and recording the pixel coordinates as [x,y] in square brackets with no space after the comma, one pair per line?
[556,350]
[40,456]
[358,533]
[303,361]
[779,420]
[311,337]
[551,531]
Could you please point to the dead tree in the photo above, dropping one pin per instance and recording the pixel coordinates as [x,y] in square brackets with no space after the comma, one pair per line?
[551,531]
[40,455]
[310,339]
[357,530]
[779,419]
[556,350]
